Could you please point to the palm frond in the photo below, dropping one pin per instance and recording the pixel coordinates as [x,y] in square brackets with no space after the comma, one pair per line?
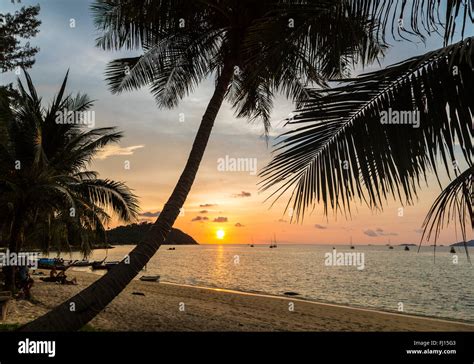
[418,18]
[341,150]
[112,195]
[454,203]
[172,67]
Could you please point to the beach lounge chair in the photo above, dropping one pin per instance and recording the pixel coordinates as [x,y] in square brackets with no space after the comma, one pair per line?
[5,297]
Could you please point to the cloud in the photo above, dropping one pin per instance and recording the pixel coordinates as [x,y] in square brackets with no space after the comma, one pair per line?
[115,150]
[383,233]
[150,214]
[208,205]
[317,226]
[243,194]
[370,233]
[200,218]
[378,232]
[203,212]
[239,225]
[220,219]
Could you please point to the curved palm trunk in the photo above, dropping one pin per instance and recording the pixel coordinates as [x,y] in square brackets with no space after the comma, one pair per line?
[14,246]
[76,312]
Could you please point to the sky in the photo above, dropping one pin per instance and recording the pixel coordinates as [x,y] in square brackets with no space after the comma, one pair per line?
[156,143]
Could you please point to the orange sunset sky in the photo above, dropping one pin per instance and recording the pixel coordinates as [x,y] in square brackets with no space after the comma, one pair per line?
[156,145]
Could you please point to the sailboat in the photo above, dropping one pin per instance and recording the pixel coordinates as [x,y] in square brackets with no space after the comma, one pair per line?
[453,251]
[273,244]
[389,244]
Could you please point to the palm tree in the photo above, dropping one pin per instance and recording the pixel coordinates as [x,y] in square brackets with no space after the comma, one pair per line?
[255,48]
[46,192]
[341,150]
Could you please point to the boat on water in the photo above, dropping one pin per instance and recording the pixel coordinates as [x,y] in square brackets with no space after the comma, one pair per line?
[389,244]
[453,250]
[273,244]
[352,246]
[407,248]
[150,278]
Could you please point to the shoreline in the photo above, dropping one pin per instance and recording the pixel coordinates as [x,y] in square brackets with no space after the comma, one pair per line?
[299,298]
[321,302]
[169,306]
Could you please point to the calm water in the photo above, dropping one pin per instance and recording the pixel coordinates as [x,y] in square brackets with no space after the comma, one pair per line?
[424,287]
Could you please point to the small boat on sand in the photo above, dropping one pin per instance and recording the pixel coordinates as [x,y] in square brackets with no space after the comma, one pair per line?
[54,263]
[150,278]
[104,265]
[82,263]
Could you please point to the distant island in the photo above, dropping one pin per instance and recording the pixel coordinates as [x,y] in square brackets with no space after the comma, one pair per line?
[133,233]
[468,243]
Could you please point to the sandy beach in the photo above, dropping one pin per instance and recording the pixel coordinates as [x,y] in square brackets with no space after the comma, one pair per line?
[170,307]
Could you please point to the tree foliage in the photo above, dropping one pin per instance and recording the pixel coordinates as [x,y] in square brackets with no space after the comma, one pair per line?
[340,151]
[23,24]
[49,199]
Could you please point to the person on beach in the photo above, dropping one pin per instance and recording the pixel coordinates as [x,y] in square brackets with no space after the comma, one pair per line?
[62,278]
[25,281]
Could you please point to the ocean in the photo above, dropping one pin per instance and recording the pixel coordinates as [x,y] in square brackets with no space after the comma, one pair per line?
[390,280]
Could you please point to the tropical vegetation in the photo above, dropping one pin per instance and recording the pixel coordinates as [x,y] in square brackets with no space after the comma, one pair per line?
[49,199]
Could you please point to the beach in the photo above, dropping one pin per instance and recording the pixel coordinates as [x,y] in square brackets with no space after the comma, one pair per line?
[172,307]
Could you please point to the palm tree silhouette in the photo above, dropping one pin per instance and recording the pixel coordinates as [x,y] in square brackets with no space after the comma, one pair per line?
[47,194]
[255,48]
[341,151]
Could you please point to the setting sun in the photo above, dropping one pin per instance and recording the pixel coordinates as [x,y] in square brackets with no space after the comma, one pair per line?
[220,234]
